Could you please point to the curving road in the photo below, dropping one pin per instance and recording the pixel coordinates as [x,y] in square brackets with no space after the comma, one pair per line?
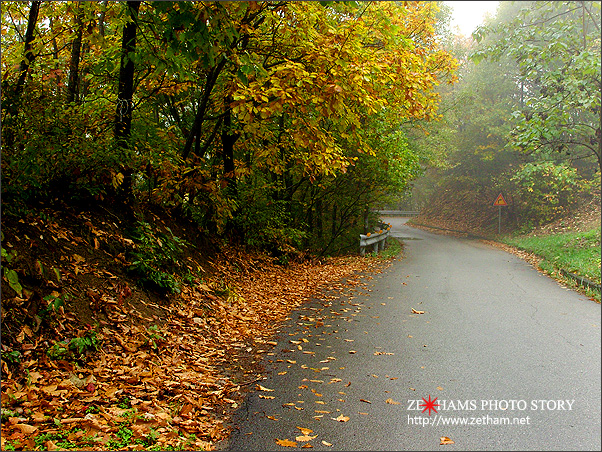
[497,343]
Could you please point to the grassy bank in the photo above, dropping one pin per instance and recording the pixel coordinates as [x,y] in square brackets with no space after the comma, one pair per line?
[575,252]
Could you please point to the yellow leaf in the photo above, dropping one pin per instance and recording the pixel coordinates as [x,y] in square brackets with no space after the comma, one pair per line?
[272,418]
[306,446]
[286,443]
[305,431]
[392,402]
[341,418]
[326,443]
[446,440]
[262,388]
[117,180]
[305,438]
[417,312]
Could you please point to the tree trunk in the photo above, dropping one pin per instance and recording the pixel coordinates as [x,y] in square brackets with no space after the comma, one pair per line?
[101,19]
[28,56]
[123,114]
[228,139]
[73,84]
[200,114]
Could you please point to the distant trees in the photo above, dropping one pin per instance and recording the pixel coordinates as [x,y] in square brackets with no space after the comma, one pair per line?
[524,118]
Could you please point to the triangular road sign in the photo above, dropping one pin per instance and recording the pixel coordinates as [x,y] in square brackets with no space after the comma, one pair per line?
[500,201]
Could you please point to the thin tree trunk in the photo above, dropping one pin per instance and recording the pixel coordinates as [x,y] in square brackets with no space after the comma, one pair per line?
[73,84]
[228,139]
[123,114]
[200,114]
[28,54]
[101,19]
[14,104]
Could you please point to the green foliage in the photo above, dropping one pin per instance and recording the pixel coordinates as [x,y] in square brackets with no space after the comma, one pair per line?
[54,302]
[153,338]
[267,224]
[556,48]
[11,275]
[546,191]
[62,441]
[157,258]
[12,356]
[74,348]
[392,249]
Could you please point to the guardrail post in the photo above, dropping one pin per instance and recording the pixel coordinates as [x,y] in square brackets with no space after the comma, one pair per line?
[377,240]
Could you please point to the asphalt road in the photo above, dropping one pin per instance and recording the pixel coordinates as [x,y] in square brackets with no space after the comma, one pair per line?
[497,340]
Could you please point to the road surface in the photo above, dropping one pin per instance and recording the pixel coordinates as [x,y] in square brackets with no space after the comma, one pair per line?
[497,343]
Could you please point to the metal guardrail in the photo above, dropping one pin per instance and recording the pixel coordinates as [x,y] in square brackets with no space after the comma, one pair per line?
[400,213]
[377,239]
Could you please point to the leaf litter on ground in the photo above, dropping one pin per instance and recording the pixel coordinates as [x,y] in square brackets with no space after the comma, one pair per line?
[185,397]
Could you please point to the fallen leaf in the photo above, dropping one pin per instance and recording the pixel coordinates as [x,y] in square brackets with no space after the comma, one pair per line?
[261,396]
[392,402]
[439,388]
[306,446]
[272,418]
[286,443]
[446,440]
[340,418]
[352,352]
[326,443]
[262,388]
[414,311]
[305,431]
[26,428]
[305,438]
[364,400]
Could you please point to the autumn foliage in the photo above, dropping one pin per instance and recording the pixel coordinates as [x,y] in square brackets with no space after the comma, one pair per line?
[235,108]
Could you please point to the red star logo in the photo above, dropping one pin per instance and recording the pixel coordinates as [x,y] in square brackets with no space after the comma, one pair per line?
[429,404]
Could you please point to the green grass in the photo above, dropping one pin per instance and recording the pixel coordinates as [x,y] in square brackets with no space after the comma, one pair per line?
[392,249]
[575,252]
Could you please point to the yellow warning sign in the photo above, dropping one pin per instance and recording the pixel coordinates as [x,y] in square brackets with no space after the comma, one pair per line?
[500,201]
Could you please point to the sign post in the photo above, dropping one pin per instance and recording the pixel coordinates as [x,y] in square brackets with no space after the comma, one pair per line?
[499,201]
